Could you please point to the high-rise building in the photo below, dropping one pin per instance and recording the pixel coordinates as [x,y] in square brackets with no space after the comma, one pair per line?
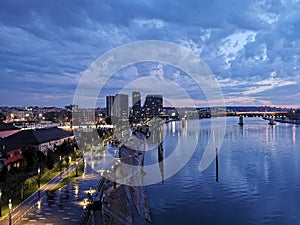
[153,105]
[109,105]
[120,106]
[136,104]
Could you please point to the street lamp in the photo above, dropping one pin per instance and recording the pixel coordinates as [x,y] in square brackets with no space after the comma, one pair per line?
[0,203]
[83,156]
[39,181]
[10,207]
[60,165]
[39,177]
[76,168]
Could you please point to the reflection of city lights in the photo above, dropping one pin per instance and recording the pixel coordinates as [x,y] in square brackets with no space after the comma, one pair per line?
[267,135]
[91,191]
[76,190]
[39,204]
[83,203]
[294,134]
[173,127]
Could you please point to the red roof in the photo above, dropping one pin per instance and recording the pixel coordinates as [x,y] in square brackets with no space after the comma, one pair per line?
[6,133]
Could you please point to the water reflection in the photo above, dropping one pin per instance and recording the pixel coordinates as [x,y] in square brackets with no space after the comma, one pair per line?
[173,123]
[39,204]
[258,164]
[294,134]
[160,151]
[76,189]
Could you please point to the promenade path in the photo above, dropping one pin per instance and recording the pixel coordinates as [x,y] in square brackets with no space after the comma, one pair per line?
[64,207]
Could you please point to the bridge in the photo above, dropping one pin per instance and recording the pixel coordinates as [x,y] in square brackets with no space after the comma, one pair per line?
[271,116]
[276,114]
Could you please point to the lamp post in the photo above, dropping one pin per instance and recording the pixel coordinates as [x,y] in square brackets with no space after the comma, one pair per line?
[60,165]
[39,181]
[0,203]
[9,215]
[39,177]
[68,160]
[76,168]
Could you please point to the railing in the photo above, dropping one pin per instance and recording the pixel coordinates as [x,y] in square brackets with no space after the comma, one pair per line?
[86,217]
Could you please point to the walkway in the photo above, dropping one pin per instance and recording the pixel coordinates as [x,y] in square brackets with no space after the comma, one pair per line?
[63,207]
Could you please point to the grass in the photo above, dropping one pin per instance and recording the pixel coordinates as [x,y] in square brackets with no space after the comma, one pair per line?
[71,176]
[30,185]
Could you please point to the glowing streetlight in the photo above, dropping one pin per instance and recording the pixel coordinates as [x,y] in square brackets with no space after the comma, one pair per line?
[39,182]
[39,177]
[60,165]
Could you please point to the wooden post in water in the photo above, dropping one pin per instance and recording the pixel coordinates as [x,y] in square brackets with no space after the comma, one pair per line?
[272,121]
[241,121]
[217,165]
[161,161]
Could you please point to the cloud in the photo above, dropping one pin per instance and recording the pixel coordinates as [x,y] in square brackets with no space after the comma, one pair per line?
[241,41]
[268,84]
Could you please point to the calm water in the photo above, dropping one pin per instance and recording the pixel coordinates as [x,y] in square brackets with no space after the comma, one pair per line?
[259,177]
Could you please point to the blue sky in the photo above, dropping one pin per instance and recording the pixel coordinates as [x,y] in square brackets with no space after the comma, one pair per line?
[252,47]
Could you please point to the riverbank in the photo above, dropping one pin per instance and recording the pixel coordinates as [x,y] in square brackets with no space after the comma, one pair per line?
[122,204]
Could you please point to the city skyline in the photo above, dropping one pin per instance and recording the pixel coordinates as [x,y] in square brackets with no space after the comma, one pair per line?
[252,49]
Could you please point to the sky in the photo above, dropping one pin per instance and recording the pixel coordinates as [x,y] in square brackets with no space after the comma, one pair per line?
[251,47]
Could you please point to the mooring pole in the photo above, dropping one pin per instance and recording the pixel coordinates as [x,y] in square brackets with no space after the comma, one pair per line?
[217,165]
[241,121]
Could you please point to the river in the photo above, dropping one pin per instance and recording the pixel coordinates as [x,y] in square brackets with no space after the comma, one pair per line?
[259,182]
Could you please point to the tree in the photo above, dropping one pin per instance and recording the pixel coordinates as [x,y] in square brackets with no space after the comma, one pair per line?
[30,156]
[2,116]
[50,160]
[108,120]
